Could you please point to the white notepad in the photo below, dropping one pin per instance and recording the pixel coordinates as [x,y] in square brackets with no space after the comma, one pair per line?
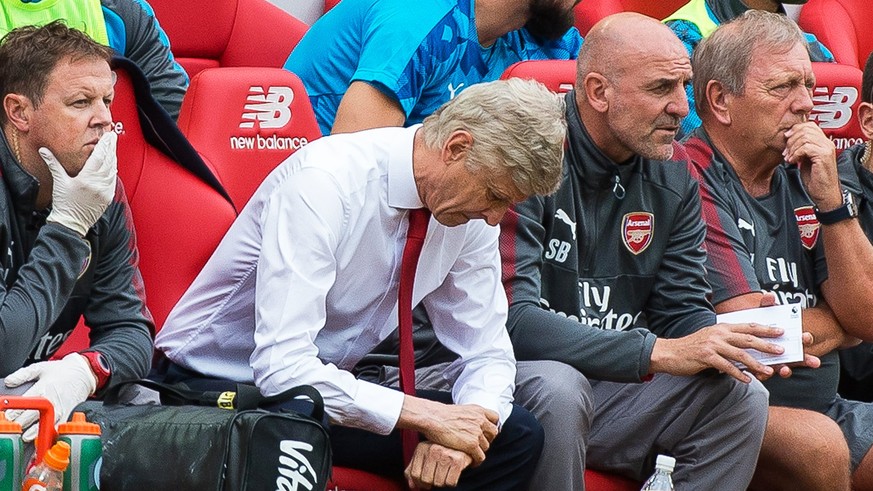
[788,317]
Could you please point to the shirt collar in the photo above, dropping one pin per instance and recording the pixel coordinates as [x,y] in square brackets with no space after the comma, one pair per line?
[402,192]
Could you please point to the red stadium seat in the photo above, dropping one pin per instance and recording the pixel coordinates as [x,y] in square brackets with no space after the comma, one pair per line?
[264,116]
[588,12]
[843,26]
[557,75]
[329,4]
[836,99]
[208,33]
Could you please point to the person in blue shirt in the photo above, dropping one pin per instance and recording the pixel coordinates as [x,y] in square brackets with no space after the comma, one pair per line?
[372,63]
[698,18]
[129,27]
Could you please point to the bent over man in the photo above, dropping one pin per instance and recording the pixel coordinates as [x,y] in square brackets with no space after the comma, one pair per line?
[305,283]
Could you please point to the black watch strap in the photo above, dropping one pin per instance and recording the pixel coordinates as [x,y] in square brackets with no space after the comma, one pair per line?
[843,212]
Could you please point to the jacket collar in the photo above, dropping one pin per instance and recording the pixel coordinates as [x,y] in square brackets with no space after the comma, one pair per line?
[594,169]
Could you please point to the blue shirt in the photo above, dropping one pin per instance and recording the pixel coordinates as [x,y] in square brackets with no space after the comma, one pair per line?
[421,54]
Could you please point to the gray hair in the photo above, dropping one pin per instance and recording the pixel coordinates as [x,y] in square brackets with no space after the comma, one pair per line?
[725,55]
[518,129]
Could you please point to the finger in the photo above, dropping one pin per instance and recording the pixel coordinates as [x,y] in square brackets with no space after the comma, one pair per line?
[484,444]
[725,366]
[454,475]
[768,299]
[745,358]
[106,144]
[428,470]
[758,330]
[441,473]
[23,375]
[807,339]
[478,456]
[492,416]
[489,430]
[55,168]
[24,418]
[31,434]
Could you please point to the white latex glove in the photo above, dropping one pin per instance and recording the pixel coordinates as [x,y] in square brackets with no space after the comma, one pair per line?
[78,202]
[65,383]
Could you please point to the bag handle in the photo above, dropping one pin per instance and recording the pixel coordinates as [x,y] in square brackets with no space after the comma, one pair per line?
[245,397]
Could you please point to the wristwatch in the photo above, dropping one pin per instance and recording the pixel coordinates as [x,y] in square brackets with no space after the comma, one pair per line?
[98,366]
[844,212]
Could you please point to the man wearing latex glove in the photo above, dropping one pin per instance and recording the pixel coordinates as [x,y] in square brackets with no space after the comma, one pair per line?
[66,229]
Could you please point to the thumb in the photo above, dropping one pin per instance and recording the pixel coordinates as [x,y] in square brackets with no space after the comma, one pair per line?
[22,375]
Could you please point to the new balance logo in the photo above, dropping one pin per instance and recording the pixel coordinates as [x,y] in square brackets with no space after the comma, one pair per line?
[833,110]
[271,109]
[294,468]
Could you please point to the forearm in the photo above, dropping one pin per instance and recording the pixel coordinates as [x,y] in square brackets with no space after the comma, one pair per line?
[41,289]
[827,332]
[618,356]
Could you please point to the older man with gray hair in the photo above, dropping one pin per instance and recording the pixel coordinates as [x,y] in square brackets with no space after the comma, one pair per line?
[778,222]
[306,282]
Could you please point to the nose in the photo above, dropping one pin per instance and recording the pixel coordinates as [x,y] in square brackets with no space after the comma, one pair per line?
[678,105]
[803,101]
[102,115]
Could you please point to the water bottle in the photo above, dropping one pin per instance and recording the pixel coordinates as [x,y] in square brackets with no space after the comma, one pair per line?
[48,475]
[662,479]
[86,453]
[11,456]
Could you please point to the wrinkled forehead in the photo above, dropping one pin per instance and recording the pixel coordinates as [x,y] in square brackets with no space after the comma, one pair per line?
[766,63]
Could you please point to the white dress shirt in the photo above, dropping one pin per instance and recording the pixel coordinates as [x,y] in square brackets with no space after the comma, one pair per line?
[305,284]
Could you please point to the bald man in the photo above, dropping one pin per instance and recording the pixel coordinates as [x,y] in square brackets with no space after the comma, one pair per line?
[607,276]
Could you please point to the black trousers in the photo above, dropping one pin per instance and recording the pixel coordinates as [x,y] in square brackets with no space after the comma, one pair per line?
[509,462]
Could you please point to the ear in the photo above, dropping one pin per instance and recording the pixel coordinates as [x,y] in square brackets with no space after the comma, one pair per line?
[597,89]
[456,146]
[17,108]
[718,101]
[865,117]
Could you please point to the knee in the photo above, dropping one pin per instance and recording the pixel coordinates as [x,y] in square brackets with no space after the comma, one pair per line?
[549,385]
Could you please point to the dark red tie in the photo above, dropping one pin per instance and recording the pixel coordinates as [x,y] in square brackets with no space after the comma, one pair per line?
[418,220]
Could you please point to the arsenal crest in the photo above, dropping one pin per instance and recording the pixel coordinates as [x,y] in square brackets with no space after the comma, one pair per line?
[636,231]
[808,225]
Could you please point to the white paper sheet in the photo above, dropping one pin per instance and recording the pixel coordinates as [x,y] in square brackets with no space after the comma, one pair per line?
[788,317]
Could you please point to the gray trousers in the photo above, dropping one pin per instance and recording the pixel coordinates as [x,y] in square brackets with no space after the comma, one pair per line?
[711,423]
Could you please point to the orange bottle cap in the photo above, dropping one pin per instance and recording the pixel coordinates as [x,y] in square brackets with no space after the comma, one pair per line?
[7,426]
[78,426]
[58,457]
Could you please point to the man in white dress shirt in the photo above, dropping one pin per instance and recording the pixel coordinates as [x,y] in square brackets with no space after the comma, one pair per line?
[305,283]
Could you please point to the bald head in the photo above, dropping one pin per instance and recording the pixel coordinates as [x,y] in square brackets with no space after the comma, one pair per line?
[630,86]
[622,41]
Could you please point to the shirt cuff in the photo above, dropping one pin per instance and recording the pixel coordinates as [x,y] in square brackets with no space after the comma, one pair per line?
[380,406]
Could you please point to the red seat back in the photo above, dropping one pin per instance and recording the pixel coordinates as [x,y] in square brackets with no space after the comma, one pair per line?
[843,26]
[264,116]
[209,33]
[836,97]
[589,12]
[557,75]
